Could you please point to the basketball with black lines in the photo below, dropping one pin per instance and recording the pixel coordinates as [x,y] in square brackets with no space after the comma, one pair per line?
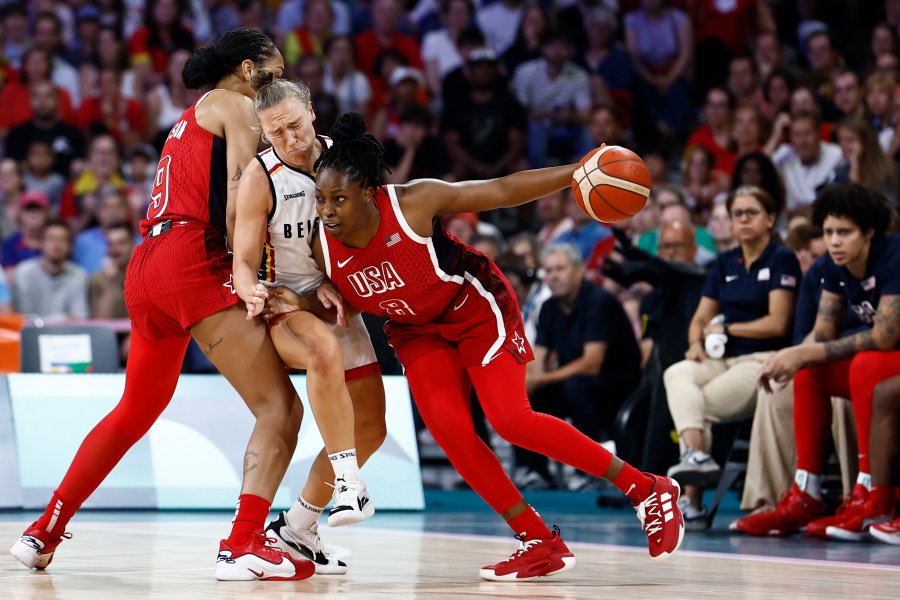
[611,184]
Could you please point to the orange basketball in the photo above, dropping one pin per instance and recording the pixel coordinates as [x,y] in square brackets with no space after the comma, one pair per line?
[611,184]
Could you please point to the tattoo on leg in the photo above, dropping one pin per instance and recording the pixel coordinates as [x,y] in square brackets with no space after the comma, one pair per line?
[250,459]
[212,346]
[237,174]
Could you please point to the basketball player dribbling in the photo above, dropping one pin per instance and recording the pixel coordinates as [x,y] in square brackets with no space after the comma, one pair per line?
[179,284]
[276,211]
[454,323]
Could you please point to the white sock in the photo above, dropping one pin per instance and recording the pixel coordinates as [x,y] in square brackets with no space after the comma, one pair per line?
[809,483]
[864,479]
[303,515]
[345,465]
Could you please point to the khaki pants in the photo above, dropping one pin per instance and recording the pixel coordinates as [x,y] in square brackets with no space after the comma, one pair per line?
[773,454]
[713,391]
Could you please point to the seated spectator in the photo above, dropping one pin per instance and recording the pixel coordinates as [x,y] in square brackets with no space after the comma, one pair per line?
[748,134]
[440,52]
[112,53]
[311,71]
[805,163]
[50,286]
[343,80]
[659,39]
[808,246]
[777,89]
[90,249]
[161,34]
[743,83]
[170,98]
[106,287]
[15,97]
[716,134]
[33,215]
[556,95]
[757,169]
[879,97]
[603,57]
[552,217]
[414,153]
[108,111]
[39,174]
[862,272]
[753,288]
[720,227]
[485,130]
[527,45]
[701,181]
[456,85]
[587,359]
[768,55]
[384,35]
[47,125]
[82,195]
[824,61]
[604,127]
[12,186]
[671,204]
[848,94]
[863,161]
[312,36]
[406,87]
[47,35]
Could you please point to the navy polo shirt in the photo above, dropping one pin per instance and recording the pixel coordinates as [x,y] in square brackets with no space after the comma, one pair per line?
[882,278]
[808,304]
[743,294]
[597,316]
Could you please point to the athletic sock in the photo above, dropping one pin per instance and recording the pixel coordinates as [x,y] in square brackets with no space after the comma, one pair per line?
[530,525]
[345,465]
[249,519]
[865,480]
[633,483]
[303,515]
[56,516]
[809,483]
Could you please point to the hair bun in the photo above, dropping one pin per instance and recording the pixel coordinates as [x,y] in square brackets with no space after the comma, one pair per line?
[201,64]
[262,76]
[349,125]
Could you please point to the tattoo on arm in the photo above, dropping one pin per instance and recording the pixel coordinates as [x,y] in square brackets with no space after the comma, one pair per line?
[850,345]
[831,310]
[250,459]
[887,319]
[212,346]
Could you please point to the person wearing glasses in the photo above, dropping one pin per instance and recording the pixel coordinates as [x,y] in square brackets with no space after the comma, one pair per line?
[744,316]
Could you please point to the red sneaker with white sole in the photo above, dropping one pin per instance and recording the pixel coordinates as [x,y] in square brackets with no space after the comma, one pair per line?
[793,512]
[661,518]
[35,547]
[851,504]
[889,532]
[532,559]
[257,560]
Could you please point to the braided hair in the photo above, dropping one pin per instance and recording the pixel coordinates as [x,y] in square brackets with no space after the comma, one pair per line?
[354,152]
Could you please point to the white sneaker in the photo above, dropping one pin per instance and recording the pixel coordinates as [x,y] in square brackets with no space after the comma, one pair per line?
[351,503]
[305,544]
[695,468]
[694,518]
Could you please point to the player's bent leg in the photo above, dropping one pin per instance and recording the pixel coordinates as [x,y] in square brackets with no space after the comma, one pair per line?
[297,531]
[150,379]
[243,352]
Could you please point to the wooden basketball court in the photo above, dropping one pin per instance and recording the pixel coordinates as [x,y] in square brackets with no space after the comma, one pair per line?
[122,556]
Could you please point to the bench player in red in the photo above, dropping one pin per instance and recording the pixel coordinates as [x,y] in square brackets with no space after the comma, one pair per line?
[454,323]
[178,285]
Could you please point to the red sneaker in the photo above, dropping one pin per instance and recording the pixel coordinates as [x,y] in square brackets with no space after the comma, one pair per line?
[257,560]
[889,532]
[35,547]
[853,502]
[854,527]
[795,509]
[532,559]
[661,518]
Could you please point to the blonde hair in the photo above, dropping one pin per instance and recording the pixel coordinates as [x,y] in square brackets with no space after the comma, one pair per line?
[271,90]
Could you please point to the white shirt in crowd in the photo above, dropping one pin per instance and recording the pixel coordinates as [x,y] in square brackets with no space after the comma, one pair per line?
[801,181]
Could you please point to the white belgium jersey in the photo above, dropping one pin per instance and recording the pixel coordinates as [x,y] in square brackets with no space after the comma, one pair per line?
[287,258]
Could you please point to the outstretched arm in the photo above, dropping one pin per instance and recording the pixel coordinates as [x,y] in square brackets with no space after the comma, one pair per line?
[423,199]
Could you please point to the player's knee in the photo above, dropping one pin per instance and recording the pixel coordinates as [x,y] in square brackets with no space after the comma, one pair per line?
[513,426]
[325,354]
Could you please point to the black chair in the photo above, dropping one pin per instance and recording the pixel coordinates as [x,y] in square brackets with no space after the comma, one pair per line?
[104,355]
[734,466]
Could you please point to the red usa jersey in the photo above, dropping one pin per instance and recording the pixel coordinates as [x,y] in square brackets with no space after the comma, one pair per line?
[191,177]
[434,285]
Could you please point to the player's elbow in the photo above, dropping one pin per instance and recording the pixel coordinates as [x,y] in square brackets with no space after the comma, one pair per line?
[884,340]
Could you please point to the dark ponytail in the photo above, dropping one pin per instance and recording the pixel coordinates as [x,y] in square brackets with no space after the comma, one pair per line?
[210,64]
[355,152]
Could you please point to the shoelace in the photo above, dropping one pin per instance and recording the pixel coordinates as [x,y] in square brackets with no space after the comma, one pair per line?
[522,547]
[343,487]
[318,545]
[654,526]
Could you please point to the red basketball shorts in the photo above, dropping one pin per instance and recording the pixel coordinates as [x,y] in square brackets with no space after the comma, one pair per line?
[176,279]
[478,324]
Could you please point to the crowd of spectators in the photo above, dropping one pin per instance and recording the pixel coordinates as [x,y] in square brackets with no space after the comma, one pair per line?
[783,96]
